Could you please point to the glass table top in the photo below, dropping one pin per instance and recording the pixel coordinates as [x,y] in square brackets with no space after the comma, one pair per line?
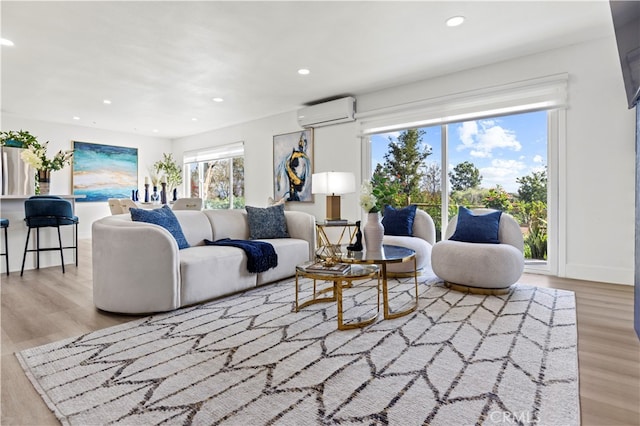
[389,254]
[353,271]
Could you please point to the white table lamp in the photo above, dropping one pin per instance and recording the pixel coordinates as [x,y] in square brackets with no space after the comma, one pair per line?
[333,184]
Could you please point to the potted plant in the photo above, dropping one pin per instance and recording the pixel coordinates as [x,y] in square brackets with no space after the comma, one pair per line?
[19,139]
[169,169]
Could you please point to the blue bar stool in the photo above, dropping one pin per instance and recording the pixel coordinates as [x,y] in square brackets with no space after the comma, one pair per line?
[48,211]
[4,224]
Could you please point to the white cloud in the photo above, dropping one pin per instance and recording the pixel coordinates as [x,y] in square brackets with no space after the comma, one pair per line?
[483,136]
[538,159]
[467,133]
[479,154]
[509,164]
[503,173]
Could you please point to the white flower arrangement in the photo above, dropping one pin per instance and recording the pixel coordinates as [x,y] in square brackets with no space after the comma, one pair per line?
[36,157]
[368,201]
[31,158]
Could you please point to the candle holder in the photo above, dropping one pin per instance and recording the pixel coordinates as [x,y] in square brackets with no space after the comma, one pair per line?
[146,192]
[163,193]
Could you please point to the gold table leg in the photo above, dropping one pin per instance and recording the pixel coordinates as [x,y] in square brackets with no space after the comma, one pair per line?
[385,293]
[315,298]
[359,324]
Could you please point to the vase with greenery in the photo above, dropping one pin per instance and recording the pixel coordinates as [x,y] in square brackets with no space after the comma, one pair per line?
[35,155]
[168,169]
[373,229]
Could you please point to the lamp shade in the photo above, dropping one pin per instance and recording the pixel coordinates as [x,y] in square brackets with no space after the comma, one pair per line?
[335,183]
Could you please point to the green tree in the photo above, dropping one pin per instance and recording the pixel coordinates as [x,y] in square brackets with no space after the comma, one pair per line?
[471,198]
[431,180]
[217,182]
[465,176]
[404,162]
[536,239]
[497,198]
[533,187]
[238,183]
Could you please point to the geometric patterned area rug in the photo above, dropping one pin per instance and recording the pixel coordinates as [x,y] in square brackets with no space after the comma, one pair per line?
[250,359]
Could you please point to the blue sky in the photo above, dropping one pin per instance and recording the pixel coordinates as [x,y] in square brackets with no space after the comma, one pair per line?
[502,148]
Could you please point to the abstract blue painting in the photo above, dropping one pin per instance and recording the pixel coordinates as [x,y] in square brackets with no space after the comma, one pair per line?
[101,172]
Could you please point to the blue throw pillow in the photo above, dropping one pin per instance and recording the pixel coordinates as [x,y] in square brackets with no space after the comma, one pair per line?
[267,222]
[477,228]
[399,222]
[164,217]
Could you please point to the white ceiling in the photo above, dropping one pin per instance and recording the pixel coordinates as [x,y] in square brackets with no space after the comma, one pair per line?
[161,63]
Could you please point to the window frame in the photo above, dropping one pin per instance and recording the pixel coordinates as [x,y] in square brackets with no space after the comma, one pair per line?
[201,157]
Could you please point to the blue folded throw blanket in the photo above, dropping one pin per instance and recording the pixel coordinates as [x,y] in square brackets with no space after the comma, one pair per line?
[261,255]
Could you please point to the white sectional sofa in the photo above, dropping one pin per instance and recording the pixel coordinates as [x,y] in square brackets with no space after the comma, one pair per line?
[138,268]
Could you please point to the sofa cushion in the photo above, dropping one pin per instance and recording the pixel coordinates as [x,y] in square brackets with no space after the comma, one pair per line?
[399,221]
[267,222]
[212,271]
[195,226]
[291,252]
[228,224]
[163,217]
[472,228]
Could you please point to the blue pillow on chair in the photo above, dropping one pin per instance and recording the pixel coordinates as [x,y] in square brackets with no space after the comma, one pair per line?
[399,221]
[473,228]
[163,217]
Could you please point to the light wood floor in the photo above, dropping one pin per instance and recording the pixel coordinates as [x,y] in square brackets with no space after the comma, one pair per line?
[45,306]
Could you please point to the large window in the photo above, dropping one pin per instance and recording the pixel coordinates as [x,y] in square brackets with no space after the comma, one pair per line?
[217,176]
[495,162]
[511,134]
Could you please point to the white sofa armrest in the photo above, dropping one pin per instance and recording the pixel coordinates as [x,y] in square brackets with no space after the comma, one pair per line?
[303,226]
[136,267]
[424,227]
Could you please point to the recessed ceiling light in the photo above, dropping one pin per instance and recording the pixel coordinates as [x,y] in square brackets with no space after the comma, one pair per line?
[218,100]
[155,130]
[6,42]
[194,119]
[454,21]
[106,102]
[304,71]
[76,118]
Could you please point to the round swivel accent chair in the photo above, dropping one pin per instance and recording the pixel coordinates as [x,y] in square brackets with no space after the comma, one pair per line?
[4,224]
[481,267]
[45,212]
[422,240]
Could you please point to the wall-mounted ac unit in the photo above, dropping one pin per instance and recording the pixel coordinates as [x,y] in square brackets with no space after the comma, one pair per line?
[327,113]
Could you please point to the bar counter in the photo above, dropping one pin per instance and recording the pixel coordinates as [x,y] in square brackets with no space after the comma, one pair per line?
[12,208]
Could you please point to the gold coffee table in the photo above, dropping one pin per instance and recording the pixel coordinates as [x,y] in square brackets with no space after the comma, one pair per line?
[340,281]
[389,254]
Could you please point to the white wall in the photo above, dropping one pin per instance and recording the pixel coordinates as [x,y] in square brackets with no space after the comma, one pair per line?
[335,149]
[60,136]
[597,172]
